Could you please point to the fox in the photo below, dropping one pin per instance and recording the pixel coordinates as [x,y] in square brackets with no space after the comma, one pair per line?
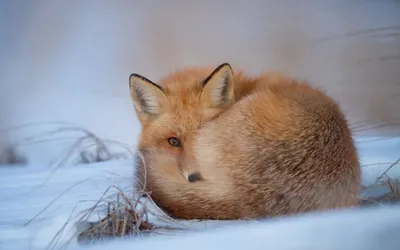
[222,144]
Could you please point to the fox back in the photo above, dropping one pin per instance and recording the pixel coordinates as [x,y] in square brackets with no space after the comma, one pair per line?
[222,145]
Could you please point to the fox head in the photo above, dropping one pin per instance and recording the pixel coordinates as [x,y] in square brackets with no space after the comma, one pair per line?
[171,111]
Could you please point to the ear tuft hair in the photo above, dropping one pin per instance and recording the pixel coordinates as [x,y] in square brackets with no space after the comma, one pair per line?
[149,98]
[218,87]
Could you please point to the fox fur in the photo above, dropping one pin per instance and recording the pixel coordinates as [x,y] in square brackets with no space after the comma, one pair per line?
[244,147]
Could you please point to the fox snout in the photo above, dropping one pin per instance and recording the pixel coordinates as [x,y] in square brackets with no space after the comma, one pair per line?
[187,163]
[188,170]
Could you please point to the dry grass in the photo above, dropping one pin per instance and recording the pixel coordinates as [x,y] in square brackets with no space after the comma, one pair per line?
[10,156]
[127,215]
[383,182]
[116,223]
[363,126]
[390,186]
[86,148]
[392,196]
[124,219]
[83,146]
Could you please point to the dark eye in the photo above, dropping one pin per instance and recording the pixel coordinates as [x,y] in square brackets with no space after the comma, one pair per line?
[173,141]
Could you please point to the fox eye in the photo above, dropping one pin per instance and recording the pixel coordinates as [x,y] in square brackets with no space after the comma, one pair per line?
[175,142]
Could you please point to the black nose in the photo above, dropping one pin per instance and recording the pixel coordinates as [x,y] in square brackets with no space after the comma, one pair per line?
[195,177]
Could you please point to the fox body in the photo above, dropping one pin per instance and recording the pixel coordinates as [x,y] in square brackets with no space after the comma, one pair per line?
[218,144]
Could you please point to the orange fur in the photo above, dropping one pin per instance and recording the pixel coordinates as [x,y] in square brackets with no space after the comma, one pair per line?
[276,146]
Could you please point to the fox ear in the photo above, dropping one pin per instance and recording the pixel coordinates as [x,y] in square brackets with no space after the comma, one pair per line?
[149,98]
[218,89]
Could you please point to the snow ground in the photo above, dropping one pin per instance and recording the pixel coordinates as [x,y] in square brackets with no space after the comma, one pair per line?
[26,191]
[347,230]
[77,58]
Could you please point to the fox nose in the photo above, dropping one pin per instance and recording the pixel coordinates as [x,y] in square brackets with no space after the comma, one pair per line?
[195,177]
[189,172]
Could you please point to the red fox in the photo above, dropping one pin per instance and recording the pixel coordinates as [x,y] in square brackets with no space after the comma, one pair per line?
[219,144]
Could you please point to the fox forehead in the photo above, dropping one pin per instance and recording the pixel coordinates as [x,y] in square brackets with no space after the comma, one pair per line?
[182,121]
[183,89]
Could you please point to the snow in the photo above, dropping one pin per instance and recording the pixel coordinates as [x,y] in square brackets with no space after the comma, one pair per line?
[70,61]
[26,191]
[49,197]
[377,154]
[344,230]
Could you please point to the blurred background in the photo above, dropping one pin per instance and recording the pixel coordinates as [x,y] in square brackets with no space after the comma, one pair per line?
[69,61]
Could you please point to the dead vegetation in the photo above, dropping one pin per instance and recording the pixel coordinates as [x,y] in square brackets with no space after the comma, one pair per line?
[390,189]
[129,222]
[120,214]
[9,155]
[83,146]
[383,182]
[363,126]
[86,147]
[116,224]
[126,216]
[129,217]
[392,194]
